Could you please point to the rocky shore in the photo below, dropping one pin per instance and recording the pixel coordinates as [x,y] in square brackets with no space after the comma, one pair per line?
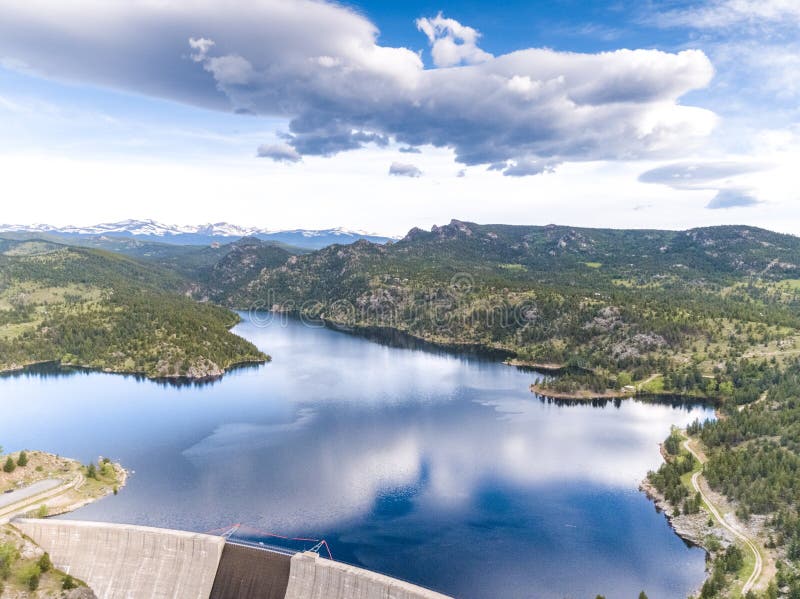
[692,528]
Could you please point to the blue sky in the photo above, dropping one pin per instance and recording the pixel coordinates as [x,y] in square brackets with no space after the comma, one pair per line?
[383,116]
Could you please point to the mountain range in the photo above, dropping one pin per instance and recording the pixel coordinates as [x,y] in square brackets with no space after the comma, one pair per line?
[150,230]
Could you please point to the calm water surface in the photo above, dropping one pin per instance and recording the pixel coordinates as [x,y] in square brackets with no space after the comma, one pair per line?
[442,470]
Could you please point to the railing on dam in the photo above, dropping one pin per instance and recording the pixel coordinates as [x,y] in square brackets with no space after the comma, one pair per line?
[261,539]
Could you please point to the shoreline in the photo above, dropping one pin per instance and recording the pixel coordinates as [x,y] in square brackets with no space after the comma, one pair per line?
[173,378]
[75,490]
[589,396]
[548,367]
[176,378]
[711,523]
[692,529]
[581,395]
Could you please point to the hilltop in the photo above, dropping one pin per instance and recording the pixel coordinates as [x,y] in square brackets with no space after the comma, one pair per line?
[620,305]
[106,311]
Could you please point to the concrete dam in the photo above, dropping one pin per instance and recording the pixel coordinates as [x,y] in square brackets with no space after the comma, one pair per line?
[121,561]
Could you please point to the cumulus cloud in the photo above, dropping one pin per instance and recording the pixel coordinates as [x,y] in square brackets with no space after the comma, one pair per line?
[410,150]
[319,65]
[694,175]
[279,152]
[400,169]
[732,198]
[526,168]
[451,42]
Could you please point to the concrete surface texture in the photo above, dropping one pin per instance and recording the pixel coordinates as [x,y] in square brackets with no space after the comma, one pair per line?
[313,577]
[249,573]
[120,561]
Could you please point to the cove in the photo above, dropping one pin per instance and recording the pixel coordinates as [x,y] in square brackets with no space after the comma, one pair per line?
[437,468]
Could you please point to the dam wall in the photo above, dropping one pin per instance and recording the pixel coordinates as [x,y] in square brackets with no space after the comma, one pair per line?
[120,561]
[314,577]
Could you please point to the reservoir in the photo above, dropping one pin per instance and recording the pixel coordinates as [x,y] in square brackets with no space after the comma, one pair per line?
[440,469]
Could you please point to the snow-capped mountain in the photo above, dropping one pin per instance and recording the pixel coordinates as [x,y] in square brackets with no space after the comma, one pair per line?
[150,230]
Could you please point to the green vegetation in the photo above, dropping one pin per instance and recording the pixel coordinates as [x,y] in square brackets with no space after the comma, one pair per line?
[754,459]
[670,479]
[101,310]
[693,304]
[45,564]
[23,575]
[29,575]
[710,313]
[68,583]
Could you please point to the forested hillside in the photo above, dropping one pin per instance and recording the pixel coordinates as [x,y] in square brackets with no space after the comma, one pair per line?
[105,311]
[621,305]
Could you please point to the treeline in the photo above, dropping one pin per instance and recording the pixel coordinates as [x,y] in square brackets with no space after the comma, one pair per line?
[126,320]
[754,459]
[668,478]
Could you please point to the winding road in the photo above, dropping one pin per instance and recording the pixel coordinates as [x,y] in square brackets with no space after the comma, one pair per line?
[28,499]
[732,528]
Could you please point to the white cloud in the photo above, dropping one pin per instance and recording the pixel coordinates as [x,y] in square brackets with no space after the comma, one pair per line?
[400,169]
[696,174]
[732,198]
[279,152]
[525,168]
[201,46]
[451,42]
[726,13]
[724,177]
[320,66]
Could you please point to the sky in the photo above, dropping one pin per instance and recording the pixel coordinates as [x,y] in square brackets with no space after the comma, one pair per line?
[382,116]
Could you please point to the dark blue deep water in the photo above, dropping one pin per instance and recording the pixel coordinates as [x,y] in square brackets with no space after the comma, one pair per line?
[442,470]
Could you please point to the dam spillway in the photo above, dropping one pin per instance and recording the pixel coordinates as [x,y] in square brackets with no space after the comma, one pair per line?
[122,561]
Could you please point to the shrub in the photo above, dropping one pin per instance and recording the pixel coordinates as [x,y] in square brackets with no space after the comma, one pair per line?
[44,562]
[9,466]
[29,575]
[22,460]
[68,583]
[8,555]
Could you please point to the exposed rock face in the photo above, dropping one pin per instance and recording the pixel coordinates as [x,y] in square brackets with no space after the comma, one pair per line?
[606,320]
[637,345]
[691,527]
[201,368]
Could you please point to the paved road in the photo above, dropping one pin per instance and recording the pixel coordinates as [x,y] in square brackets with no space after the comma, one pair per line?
[29,491]
[21,504]
[732,528]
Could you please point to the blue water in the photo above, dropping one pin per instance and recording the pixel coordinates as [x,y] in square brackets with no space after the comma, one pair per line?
[442,470]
